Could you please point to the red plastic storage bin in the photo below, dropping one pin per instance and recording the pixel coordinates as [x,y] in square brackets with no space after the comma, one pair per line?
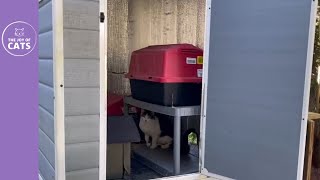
[176,63]
[114,105]
[169,75]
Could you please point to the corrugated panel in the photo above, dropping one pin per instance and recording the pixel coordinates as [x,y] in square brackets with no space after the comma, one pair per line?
[164,22]
[46,98]
[81,73]
[46,123]
[45,18]
[87,174]
[139,24]
[156,22]
[82,101]
[46,146]
[46,72]
[45,45]
[82,129]
[82,156]
[46,170]
[117,35]
[43,3]
[40,177]
[46,108]
[169,21]
[201,23]
[118,84]
[187,21]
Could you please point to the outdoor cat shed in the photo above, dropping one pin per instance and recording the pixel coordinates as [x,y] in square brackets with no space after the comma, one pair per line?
[169,75]
[255,83]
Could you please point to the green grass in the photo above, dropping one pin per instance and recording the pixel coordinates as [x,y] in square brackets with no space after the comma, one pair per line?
[192,138]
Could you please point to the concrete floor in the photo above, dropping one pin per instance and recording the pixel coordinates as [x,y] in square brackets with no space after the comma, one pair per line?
[151,164]
[161,161]
[141,172]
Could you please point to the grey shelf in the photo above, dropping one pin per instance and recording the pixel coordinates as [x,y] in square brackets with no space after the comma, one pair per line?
[177,113]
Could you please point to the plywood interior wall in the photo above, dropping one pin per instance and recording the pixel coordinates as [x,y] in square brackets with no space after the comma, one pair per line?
[134,24]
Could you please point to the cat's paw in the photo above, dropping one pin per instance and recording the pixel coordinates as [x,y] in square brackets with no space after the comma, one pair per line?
[166,146]
[148,144]
[153,146]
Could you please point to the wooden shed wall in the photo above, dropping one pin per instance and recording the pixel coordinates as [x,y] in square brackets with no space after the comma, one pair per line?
[46,101]
[81,77]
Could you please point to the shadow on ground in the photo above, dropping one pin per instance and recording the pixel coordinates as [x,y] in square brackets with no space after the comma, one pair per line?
[141,172]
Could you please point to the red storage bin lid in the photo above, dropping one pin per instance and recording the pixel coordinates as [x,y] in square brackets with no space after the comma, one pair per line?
[173,63]
[115,105]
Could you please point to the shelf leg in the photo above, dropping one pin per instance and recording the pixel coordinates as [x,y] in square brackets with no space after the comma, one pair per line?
[177,135]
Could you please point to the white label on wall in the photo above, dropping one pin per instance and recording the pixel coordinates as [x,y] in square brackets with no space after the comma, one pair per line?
[190,60]
[199,72]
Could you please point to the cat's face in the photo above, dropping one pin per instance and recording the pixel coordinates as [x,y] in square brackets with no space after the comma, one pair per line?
[19,32]
[147,116]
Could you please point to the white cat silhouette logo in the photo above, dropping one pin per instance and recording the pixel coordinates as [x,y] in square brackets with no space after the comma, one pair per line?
[19,32]
[19,38]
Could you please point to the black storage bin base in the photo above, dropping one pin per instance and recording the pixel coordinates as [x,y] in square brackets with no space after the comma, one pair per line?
[167,94]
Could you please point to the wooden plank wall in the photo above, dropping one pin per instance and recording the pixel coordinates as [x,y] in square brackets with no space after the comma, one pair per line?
[134,24]
[46,108]
[312,155]
[81,68]
[308,151]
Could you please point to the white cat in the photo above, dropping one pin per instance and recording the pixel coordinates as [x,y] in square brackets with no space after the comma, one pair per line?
[165,142]
[150,126]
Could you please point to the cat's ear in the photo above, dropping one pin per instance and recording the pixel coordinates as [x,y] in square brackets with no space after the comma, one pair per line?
[152,114]
[15,29]
[134,109]
[142,112]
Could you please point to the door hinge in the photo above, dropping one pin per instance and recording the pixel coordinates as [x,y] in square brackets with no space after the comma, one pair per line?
[102,17]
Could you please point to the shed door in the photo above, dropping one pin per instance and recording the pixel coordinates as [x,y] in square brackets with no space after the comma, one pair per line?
[256,88]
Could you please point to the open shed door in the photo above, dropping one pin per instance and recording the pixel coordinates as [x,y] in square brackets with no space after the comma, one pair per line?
[257,69]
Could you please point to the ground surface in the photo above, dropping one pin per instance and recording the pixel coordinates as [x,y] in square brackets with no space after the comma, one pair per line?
[161,160]
[315,174]
[141,172]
